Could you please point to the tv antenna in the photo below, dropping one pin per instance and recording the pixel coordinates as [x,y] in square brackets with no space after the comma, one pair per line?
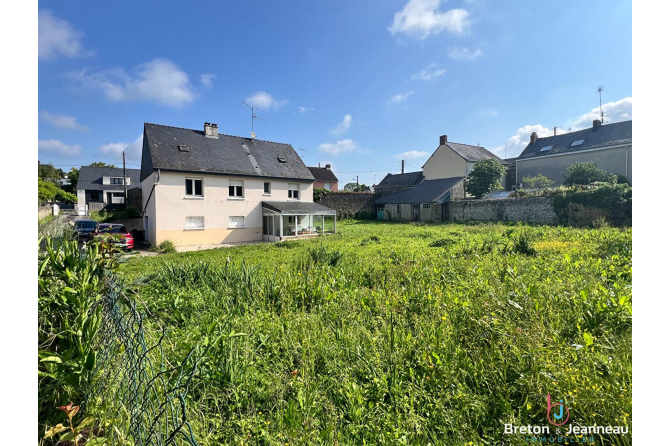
[302,155]
[253,118]
[600,94]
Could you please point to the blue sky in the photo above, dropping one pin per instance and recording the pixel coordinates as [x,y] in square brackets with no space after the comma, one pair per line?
[361,84]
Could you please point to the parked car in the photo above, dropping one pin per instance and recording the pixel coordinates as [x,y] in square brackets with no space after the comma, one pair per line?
[125,239]
[85,229]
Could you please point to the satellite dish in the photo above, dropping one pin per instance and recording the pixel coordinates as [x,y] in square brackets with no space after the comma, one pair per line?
[253,135]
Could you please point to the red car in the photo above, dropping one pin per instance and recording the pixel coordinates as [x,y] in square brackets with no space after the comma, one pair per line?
[125,241]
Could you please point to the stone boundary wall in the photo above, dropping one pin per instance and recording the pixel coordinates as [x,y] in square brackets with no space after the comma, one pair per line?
[351,204]
[528,209]
[43,211]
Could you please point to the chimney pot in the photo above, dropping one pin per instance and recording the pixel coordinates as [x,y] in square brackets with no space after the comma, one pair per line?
[327,166]
[443,140]
[533,137]
[211,130]
[596,123]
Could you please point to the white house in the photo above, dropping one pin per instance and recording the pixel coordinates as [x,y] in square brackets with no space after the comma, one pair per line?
[200,187]
[102,187]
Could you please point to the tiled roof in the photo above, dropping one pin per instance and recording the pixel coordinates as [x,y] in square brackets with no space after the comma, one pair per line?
[426,192]
[323,174]
[226,154]
[90,178]
[473,153]
[606,135]
[400,180]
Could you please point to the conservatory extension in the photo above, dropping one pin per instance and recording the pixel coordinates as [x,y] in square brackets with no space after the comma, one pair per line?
[284,220]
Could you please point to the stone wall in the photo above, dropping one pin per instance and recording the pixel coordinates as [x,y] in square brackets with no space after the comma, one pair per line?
[351,204]
[43,211]
[529,209]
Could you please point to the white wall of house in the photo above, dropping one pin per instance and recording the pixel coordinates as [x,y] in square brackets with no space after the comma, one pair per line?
[444,163]
[171,210]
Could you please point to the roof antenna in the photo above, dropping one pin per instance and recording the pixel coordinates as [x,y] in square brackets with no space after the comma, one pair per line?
[253,118]
[302,155]
[600,94]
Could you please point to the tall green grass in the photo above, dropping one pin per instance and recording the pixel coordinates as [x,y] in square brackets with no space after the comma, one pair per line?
[391,333]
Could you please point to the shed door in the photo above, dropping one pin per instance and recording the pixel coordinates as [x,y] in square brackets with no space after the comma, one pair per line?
[416,212]
[380,212]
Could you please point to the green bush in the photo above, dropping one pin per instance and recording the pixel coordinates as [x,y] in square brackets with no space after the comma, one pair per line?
[105,216]
[48,191]
[165,247]
[584,173]
[319,193]
[538,182]
[484,178]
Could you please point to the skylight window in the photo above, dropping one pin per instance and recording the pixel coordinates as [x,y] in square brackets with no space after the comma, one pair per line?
[184,148]
[546,148]
[579,142]
[281,159]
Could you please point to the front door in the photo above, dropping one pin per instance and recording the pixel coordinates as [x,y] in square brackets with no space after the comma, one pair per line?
[380,212]
[416,212]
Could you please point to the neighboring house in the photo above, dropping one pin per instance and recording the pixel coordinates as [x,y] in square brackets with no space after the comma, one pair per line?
[422,196]
[324,178]
[102,187]
[201,187]
[611,145]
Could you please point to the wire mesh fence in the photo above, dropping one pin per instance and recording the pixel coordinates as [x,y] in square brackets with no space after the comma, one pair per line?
[138,396]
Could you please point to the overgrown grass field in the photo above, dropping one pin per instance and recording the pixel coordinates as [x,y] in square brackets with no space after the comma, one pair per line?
[390,333]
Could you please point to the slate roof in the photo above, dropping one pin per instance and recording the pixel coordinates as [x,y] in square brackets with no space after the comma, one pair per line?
[470,153]
[231,155]
[297,207]
[90,178]
[426,192]
[323,174]
[606,135]
[392,181]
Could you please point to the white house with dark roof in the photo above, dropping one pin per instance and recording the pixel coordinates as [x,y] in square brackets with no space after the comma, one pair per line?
[103,188]
[611,145]
[423,195]
[200,187]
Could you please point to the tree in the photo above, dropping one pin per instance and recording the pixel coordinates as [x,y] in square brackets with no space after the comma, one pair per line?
[73,178]
[48,172]
[353,187]
[101,164]
[48,191]
[538,182]
[584,173]
[485,177]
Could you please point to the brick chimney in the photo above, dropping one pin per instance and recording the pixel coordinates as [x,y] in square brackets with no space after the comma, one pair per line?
[533,137]
[596,124]
[211,130]
[443,140]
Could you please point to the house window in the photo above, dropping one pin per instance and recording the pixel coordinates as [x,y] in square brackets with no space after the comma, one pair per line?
[235,222]
[426,205]
[116,180]
[397,208]
[326,186]
[94,196]
[195,222]
[267,188]
[236,188]
[294,191]
[193,187]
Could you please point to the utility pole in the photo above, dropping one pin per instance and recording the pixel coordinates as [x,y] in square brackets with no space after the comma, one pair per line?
[125,187]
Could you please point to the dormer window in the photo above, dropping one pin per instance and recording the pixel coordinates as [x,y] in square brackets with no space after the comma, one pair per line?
[116,180]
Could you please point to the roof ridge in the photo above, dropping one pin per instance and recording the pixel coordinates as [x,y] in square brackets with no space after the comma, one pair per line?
[222,134]
[463,144]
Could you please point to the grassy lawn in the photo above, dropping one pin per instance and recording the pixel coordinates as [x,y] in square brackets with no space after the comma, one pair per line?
[390,333]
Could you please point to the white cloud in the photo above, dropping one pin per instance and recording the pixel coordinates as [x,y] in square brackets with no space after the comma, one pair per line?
[63,122]
[132,149]
[516,143]
[342,146]
[57,37]
[621,110]
[207,79]
[305,109]
[58,147]
[421,18]
[397,98]
[342,127]
[264,101]
[429,73]
[411,155]
[464,54]
[159,80]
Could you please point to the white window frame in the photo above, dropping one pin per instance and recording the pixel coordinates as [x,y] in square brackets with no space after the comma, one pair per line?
[231,225]
[425,205]
[116,178]
[269,192]
[193,180]
[193,227]
[295,188]
[327,186]
[234,183]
